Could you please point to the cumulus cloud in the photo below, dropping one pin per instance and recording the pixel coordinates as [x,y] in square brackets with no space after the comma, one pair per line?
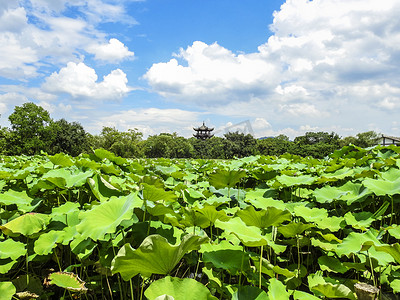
[36,33]
[324,59]
[212,73]
[114,51]
[79,80]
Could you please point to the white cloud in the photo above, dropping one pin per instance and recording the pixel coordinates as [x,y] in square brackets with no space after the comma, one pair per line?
[327,63]
[113,52]
[212,73]
[79,80]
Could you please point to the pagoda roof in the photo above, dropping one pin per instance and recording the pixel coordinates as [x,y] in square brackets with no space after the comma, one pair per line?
[203,128]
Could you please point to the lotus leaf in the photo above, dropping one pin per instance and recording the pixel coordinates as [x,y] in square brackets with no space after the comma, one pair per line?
[61,159]
[7,290]
[393,250]
[361,220]
[154,256]
[223,178]
[105,218]
[277,290]
[154,194]
[330,290]
[265,218]
[11,249]
[353,244]
[299,295]
[67,280]
[310,214]
[21,199]
[179,289]
[250,236]
[27,224]
[327,194]
[246,292]
[232,260]
[382,187]
[82,247]
[293,229]
[331,264]
[300,180]
[212,214]
[47,241]
[395,285]
[102,189]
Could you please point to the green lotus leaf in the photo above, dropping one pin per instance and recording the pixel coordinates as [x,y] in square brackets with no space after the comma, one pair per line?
[232,260]
[246,292]
[354,242]
[277,290]
[47,241]
[212,276]
[7,290]
[68,281]
[191,217]
[293,229]
[212,214]
[83,248]
[382,187]
[395,285]
[300,180]
[6,265]
[102,189]
[393,250]
[331,264]
[332,223]
[61,159]
[354,192]
[105,218]
[264,218]
[154,194]
[27,224]
[21,199]
[11,249]
[330,290]
[271,270]
[154,256]
[299,295]
[395,231]
[250,236]
[223,178]
[179,289]
[65,209]
[327,194]
[361,220]
[102,154]
[310,214]
[338,174]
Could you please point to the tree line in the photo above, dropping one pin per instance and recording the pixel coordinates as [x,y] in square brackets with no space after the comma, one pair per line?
[33,131]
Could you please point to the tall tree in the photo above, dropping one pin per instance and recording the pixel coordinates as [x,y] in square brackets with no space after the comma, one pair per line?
[67,137]
[28,128]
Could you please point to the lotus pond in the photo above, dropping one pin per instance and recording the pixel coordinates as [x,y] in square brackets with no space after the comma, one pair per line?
[100,226]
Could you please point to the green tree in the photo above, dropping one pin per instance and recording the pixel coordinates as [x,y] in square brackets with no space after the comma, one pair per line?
[367,139]
[274,146]
[239,144]
[316,144]
[67,137]
[29,124]
[168,145]
[124,144]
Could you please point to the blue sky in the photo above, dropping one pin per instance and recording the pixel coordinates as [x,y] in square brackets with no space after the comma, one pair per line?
[286,67]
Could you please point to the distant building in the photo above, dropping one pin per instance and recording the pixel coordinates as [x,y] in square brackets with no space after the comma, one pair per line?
[203,132]
[389,140]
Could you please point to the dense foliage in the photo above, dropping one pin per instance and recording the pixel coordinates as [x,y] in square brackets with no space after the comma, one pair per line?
[99,226]
[32,131]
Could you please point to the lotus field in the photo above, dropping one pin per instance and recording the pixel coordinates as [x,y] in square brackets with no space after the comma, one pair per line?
[100,226]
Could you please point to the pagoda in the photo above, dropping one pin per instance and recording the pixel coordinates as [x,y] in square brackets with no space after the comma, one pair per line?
[203,132]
